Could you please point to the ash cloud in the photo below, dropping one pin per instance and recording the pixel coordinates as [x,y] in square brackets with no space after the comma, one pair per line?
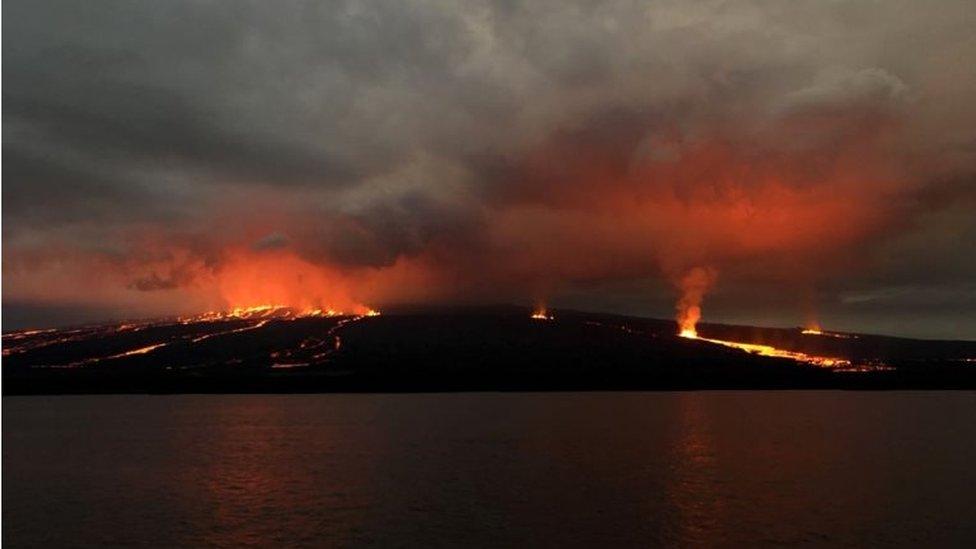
[497,149]
[273,241]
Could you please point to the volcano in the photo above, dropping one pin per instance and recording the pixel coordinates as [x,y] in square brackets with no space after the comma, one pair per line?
[277,349]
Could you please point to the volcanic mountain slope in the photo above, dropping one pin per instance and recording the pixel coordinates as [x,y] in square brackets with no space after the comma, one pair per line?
[276,349]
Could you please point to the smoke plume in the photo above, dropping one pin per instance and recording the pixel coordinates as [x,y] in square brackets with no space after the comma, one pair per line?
[693,286]
[357,154]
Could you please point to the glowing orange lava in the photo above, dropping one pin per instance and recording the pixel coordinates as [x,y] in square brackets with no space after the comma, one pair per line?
[819,332]
[812,328]
[253,285]
[541,314]
[693,286]
[281,312]
[769,350]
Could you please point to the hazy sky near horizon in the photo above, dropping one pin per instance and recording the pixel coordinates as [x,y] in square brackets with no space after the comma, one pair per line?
[818,156]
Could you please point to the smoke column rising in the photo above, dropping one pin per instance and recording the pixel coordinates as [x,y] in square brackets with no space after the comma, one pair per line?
[693,286]
[373,154]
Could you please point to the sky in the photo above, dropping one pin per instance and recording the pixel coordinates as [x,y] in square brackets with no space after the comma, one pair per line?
[773,163]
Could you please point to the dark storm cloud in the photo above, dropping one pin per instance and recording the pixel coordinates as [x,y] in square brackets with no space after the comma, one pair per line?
[359,133]
[377,235]
[42,190]
[131,121]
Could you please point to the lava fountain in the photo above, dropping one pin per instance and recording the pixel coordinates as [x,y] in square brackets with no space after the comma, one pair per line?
[540,313]
[693,286]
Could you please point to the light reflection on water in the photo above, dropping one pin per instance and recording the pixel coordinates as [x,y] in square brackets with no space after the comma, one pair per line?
[691,486]
[581,469]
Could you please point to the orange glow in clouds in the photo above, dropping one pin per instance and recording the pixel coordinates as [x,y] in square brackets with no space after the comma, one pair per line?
[249,281]
[586,214]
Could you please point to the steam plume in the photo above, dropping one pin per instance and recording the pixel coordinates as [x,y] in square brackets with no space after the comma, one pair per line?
[693,286]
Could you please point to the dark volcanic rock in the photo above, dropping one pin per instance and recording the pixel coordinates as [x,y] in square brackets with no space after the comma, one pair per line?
[461,349]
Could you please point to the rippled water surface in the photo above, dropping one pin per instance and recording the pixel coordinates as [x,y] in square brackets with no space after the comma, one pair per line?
[562,469]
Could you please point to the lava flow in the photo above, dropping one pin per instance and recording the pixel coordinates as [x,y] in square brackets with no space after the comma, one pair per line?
[205,336]
[270,311]
[687,329]
[693,286]
[819,332]
[769,350]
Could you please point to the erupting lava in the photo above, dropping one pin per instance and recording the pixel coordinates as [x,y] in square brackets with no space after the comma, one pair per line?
[275,311]
[818,332]
[540,313]
[696,282]
[693,286]
[768,350]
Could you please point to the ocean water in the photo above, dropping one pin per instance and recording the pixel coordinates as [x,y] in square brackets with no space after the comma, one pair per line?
[491,470]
